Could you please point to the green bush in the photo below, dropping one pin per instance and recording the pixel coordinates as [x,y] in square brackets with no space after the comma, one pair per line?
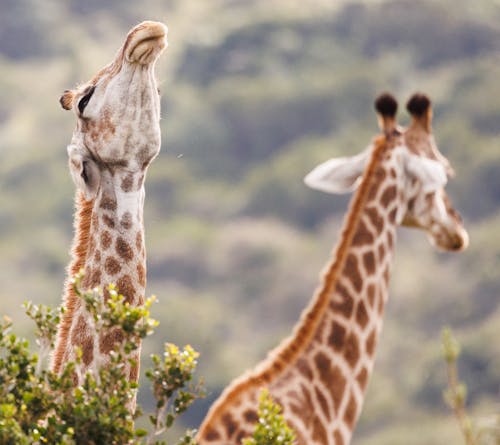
[40,407]
[271,428]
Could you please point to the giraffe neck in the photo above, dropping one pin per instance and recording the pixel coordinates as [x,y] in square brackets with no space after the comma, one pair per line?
[320,373]
[109,246]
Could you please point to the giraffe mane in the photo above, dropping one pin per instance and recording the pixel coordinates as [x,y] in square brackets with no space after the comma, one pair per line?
[79,250]
[287,352]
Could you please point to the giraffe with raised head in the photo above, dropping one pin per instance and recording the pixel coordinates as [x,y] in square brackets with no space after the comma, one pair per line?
[116,137]
[320,373]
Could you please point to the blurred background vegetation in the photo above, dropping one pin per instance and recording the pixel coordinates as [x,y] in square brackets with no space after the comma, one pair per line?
[255,93]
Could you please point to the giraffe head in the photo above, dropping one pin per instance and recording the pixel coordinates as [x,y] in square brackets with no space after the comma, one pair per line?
[427,203]
[118,114]
[417,170]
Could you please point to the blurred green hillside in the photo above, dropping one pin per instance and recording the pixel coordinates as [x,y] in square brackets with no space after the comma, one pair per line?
[256,93]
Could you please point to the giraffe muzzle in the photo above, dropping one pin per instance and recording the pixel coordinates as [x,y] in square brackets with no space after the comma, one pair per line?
[146,42]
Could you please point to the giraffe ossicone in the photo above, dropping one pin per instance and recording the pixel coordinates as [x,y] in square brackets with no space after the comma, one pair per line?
[320,373]
[117,135]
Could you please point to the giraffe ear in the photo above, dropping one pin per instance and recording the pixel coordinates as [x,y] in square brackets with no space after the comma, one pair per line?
[431,173]
[66,100]
[84,171]
[338,175]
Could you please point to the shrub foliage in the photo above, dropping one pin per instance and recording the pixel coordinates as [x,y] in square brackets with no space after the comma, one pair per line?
[40,407]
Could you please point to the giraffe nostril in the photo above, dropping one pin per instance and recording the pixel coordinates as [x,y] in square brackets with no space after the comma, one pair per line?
[459,243]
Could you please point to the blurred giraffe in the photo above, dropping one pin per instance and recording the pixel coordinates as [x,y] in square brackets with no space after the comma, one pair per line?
[319,374]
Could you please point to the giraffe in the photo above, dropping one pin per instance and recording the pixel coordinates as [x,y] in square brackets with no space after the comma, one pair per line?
[320,373]
[116,137]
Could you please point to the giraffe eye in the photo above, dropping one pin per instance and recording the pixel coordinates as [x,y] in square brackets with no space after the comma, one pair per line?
[85,100]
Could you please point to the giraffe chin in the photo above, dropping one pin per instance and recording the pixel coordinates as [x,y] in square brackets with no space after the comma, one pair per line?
[450,242]
[146,42]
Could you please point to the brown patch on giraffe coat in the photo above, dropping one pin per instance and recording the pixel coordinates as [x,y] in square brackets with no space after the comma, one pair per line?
[229,424]
[78,330]
[388,196]
[95,277]
[108,221]
[123,249]
[126,288]
[361,314]
[304,369]
[337,437]
[87,350]
[106,240]
[351,349]
[351,271]
[337,336]
[212,435]
[371,342]
[141,274]
[250,416]
[369,262]
[381,251]
[126,221]
[331,376]
[346,305]
[108,203]
[411,204]
[362,236]
[97,256]
[392,172]
[82,338]
[112,266]
[380,174]
[323,402]
[109,339]
[371,294]
[362,378]
[375,219]
[350,411]
[127,182]
[319,433]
